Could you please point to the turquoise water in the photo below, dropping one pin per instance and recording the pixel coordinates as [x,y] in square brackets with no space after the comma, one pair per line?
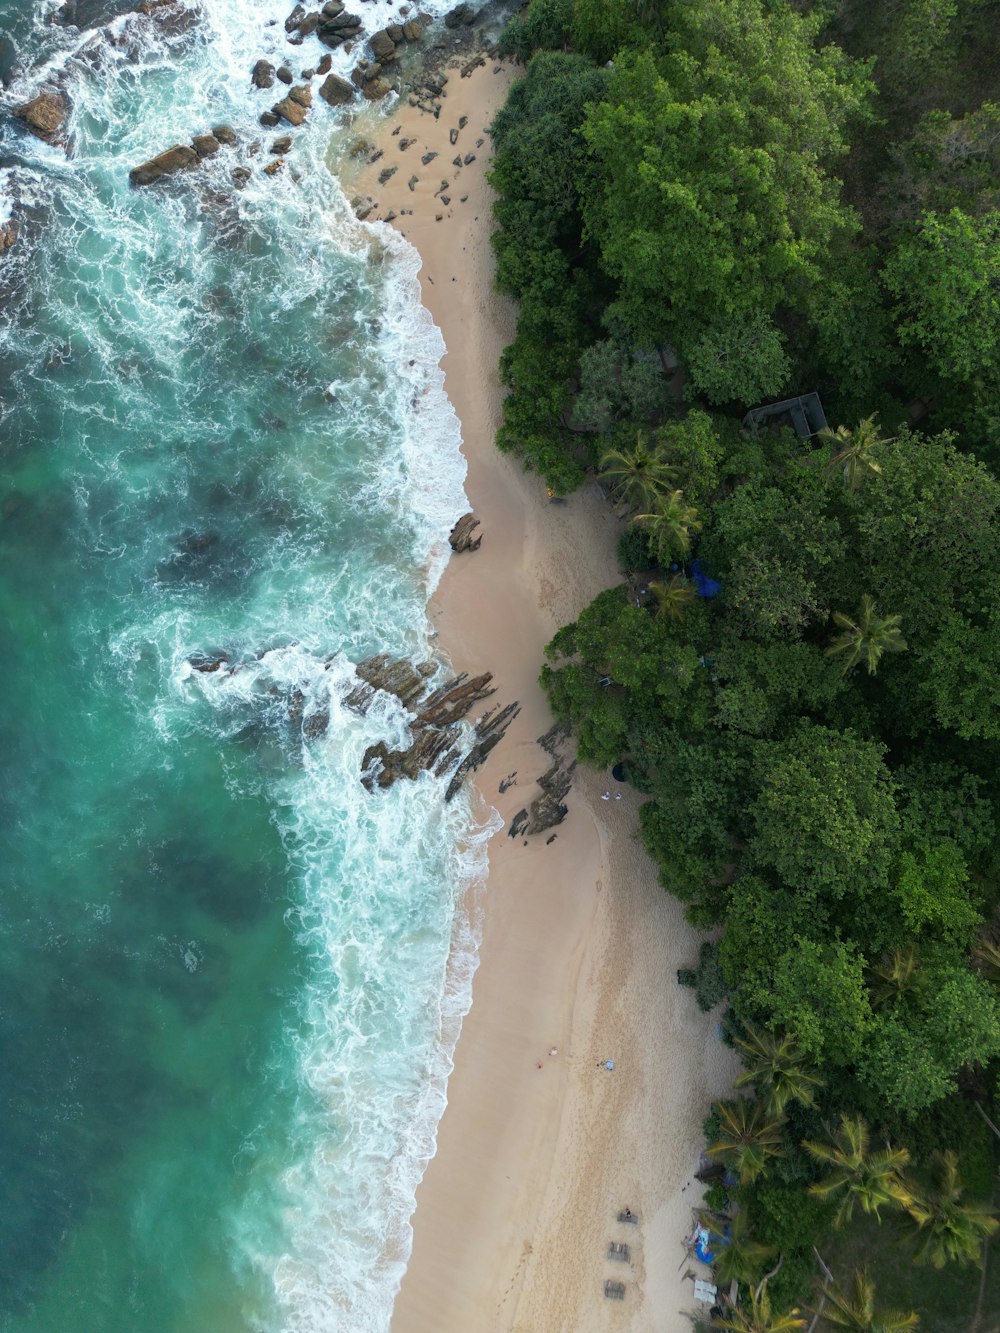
[226,1001]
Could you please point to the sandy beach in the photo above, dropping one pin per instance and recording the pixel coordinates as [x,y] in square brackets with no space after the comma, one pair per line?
[539,1152]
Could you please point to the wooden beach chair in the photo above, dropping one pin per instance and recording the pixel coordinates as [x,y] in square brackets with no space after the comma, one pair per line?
[614,1291]
[619,1250]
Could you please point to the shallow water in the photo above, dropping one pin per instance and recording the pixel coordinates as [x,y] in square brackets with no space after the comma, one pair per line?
[226,1005]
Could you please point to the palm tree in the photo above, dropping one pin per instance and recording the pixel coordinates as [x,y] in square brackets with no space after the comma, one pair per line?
[867,638]
[870,1179]
[670,524]
[776,1067]
[760,1318]
[673,598]
[856,450]
[949,1231]
[986,956]
[749,1136]
[856,1309]
[899,973]
[738,1257]
[638,476]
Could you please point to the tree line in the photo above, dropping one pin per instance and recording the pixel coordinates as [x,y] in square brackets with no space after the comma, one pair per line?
[703,206]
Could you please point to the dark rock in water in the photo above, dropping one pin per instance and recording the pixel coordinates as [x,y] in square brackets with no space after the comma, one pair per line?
[336,90]
[274,167]
[382,44]
[44,115]
[205,145]
[302,94]
[325,64]
[398,677]
[461,538]
[315,725]
[283,144]
[208,662]
[269,119]
[8,236]
[377,88]
[332,9]
[362,205]
[459,15]
[309,24]
[308,74]
[294,18]
[413,31]
[225,134]
[262,74]
[285,75]
[239,176]
[292,111]
[395,31]
[173,160]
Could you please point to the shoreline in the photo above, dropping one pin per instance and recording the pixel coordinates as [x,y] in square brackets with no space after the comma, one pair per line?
[536,1154]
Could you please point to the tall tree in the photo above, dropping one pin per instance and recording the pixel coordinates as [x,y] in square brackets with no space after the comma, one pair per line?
[749,1137]
[758,1316]
[671,524]
[673,597]
[949,1230]
[856,451]
[638,474]
[866,639]
[777,1068]
[856,1309]
[858,1175]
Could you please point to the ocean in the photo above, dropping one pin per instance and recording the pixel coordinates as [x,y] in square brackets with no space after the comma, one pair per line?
[231,980]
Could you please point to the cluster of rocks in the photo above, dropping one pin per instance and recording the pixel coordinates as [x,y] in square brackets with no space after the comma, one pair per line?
[548,809]
[439,744]
[8,235]
[333,25]
[182,157]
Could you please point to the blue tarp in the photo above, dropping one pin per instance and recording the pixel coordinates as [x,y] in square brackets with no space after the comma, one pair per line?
[705,586]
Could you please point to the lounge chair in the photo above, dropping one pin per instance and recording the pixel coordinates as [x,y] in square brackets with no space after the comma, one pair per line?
[618,1250]
[614,1291]
[628,1217]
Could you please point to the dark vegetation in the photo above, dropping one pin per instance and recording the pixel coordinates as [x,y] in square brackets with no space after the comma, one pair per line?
[754,200]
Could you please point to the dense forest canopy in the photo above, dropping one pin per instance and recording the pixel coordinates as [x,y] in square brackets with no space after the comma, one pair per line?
[705,206]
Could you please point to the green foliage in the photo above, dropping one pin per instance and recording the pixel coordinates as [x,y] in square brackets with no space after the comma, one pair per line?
[621,382]
[708,200]
[544,25]
[634,551]
[946,281]
[710,984]
[743,360]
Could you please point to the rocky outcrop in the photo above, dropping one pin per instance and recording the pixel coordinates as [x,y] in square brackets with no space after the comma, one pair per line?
[439,742]
[336,90]
[548,809]
[461,14]
[45,115]
[178,158]
[8,236]
[295,107]
[205,145]
[336,25]
[461,537]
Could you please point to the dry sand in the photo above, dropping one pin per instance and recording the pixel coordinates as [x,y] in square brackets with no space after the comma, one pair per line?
[536,1153]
